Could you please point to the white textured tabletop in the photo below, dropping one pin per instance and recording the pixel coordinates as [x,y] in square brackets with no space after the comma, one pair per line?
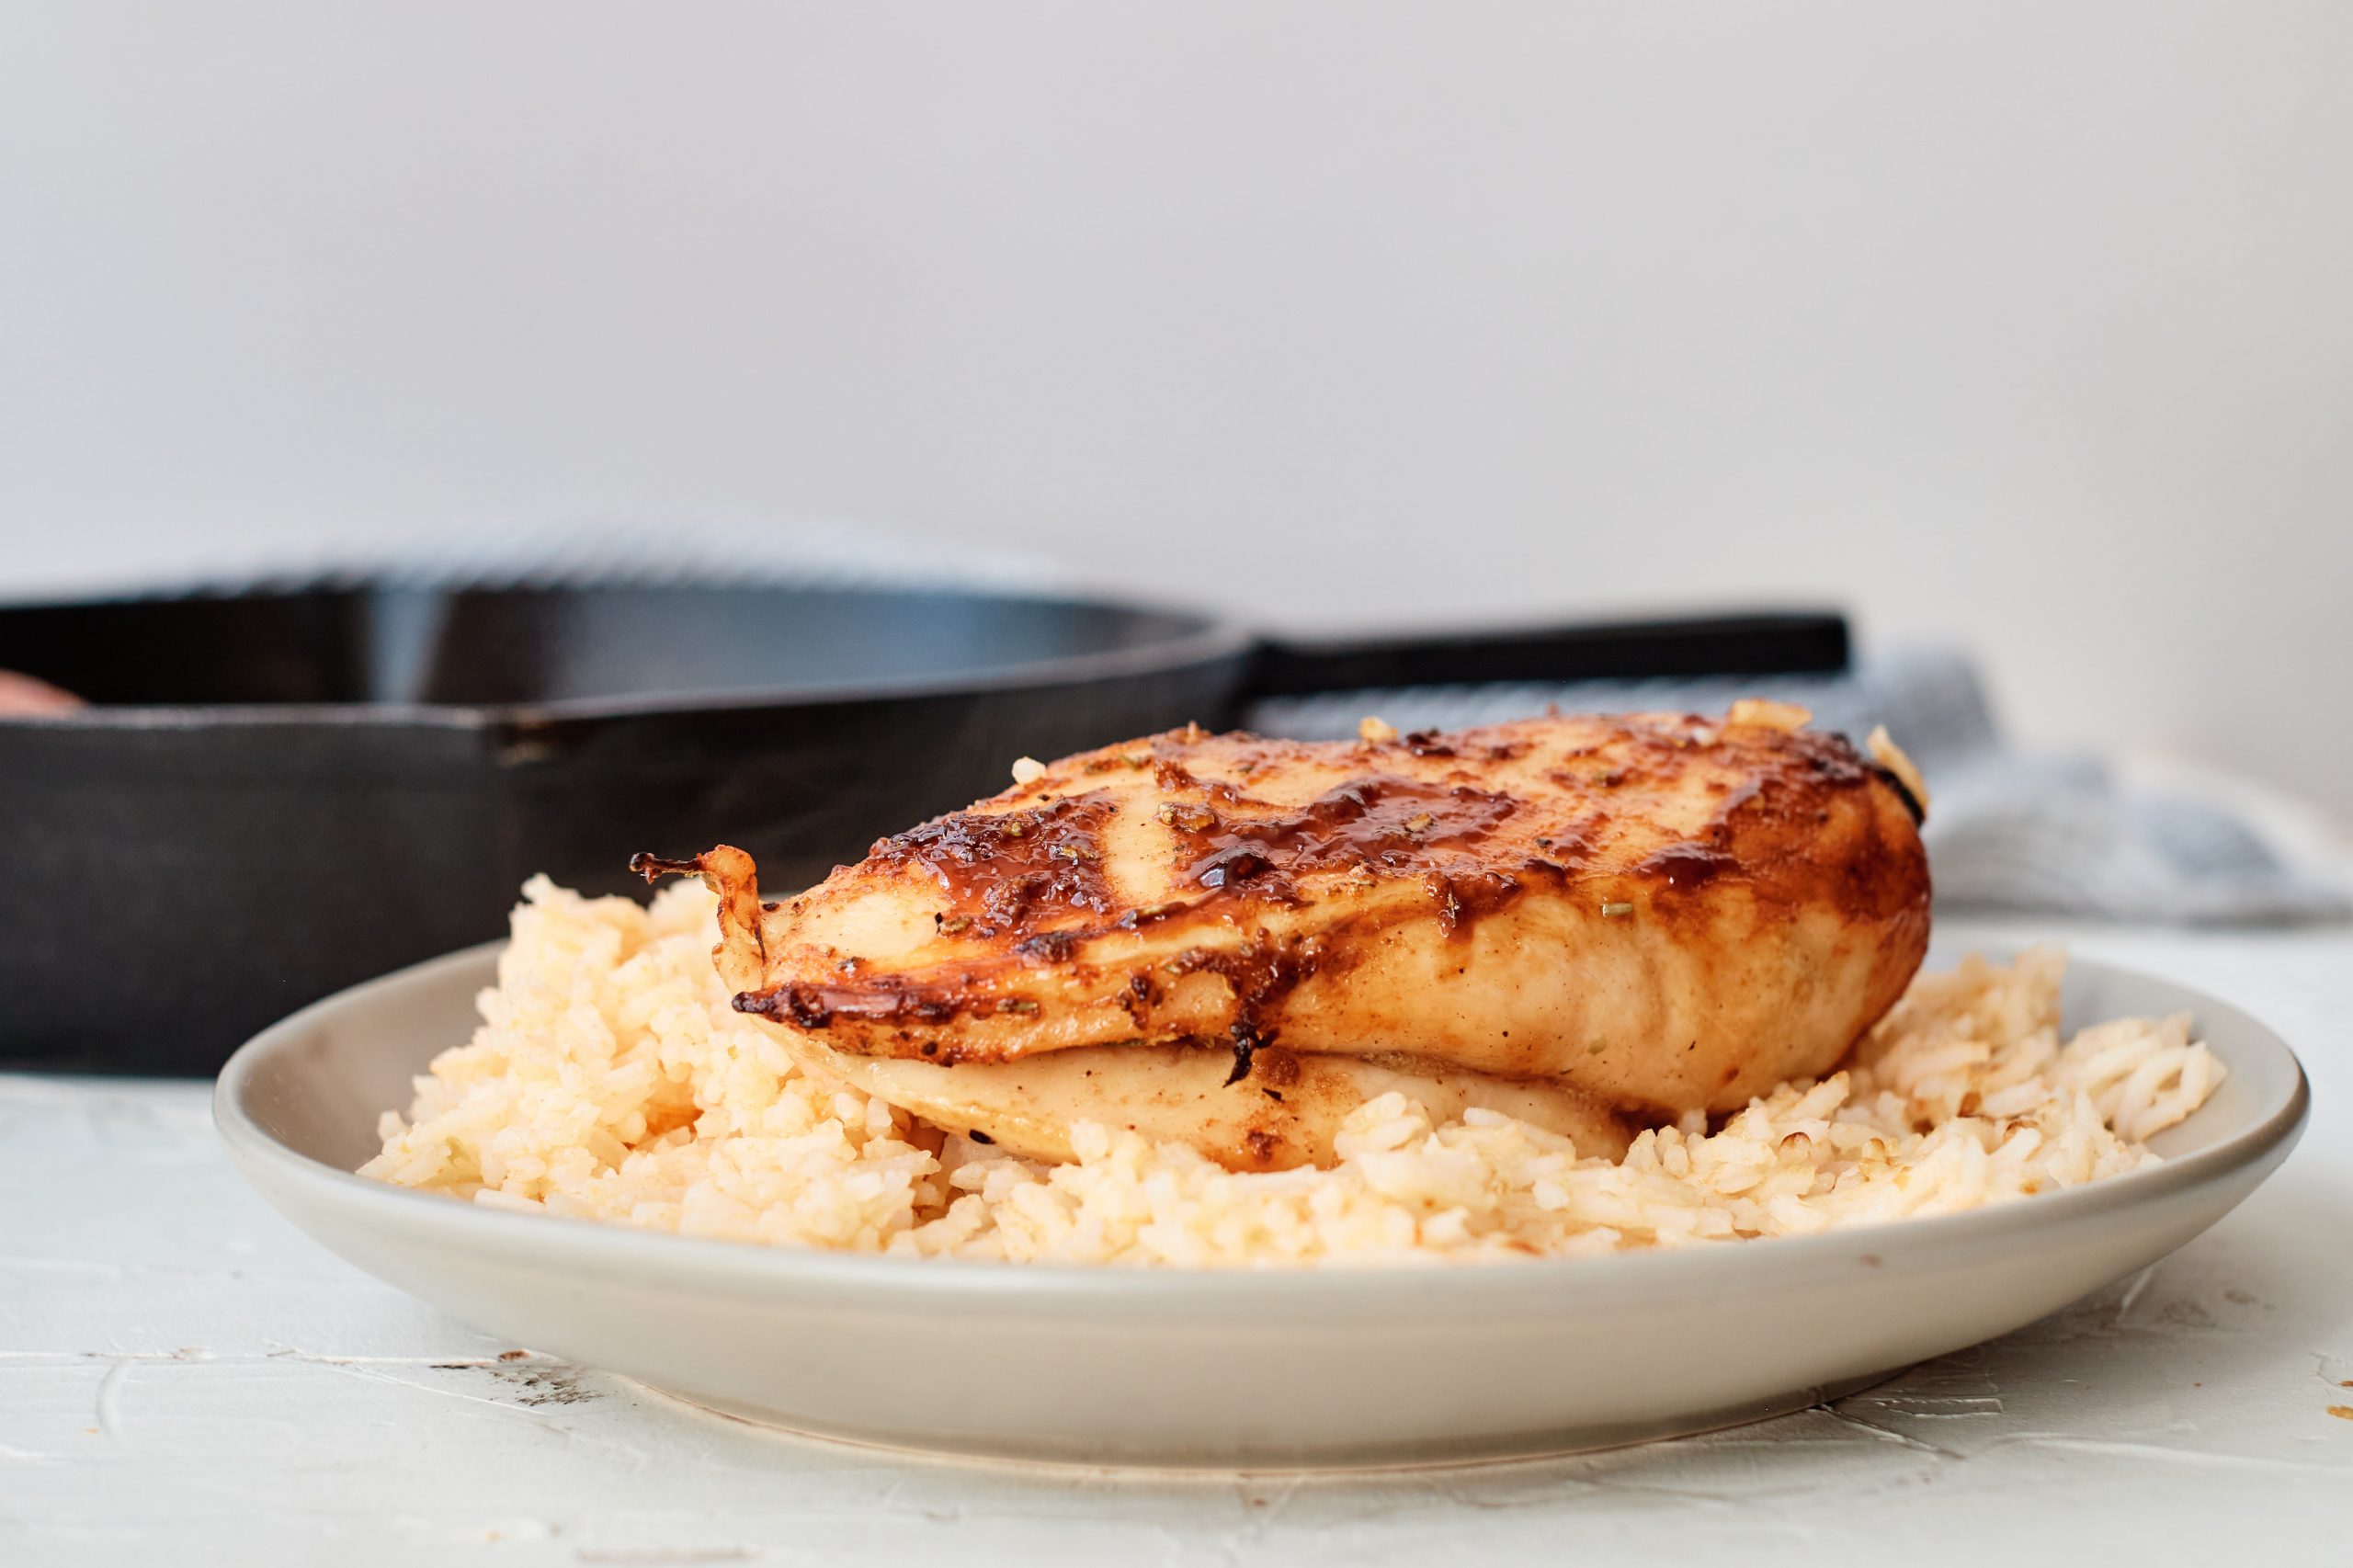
[184,1378]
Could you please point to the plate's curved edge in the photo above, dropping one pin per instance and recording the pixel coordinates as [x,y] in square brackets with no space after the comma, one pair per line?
[722,1265]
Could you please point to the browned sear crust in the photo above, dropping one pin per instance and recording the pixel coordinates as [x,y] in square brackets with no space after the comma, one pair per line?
[1626,917]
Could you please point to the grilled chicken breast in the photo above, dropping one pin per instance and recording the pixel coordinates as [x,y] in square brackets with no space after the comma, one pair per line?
[1594,923]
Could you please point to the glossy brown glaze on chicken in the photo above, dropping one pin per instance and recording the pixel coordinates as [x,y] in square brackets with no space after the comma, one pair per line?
[1594,923]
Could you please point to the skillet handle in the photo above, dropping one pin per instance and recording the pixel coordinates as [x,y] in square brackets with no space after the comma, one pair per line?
[1758,643]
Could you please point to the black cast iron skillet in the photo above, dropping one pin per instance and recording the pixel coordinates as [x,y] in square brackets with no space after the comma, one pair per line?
[273,796]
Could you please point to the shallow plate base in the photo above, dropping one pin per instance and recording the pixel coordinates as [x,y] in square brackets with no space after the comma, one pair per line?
[1501,1449]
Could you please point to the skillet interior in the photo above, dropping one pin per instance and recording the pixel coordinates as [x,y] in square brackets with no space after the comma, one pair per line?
[506,646]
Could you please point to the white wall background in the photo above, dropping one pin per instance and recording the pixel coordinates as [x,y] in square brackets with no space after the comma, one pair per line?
[2022,322]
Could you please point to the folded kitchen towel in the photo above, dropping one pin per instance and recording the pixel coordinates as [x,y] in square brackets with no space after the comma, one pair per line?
[2007,831]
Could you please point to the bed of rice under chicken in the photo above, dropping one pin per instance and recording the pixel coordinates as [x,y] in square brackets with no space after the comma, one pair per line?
[610,1079]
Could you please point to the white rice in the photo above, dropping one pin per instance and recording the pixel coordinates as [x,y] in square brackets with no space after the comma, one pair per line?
[610,1079]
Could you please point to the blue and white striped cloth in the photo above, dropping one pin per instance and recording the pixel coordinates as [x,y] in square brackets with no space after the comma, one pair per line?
[2007,831]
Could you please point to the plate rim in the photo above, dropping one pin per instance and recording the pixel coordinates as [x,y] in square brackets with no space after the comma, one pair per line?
[1337,1290]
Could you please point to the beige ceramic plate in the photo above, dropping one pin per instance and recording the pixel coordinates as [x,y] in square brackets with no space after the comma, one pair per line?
[1260,1369]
